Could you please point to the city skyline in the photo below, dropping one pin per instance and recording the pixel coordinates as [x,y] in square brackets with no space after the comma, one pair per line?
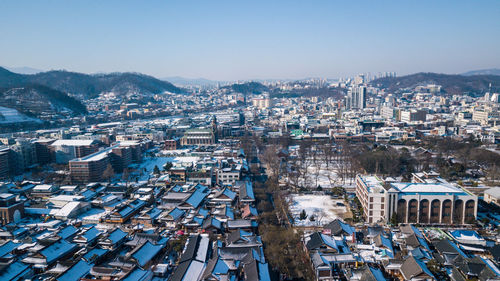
[245,41]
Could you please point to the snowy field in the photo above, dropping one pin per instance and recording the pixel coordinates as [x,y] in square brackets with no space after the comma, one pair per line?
[323,207]
[10,115]
[318,173]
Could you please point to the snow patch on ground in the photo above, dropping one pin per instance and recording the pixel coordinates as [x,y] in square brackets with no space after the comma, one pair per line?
[147,166]
[323,207]
[10,115]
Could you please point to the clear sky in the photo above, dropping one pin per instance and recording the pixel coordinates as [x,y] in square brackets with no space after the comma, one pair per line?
[230,40]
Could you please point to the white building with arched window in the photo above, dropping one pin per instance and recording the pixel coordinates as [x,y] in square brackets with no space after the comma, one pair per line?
[432,201]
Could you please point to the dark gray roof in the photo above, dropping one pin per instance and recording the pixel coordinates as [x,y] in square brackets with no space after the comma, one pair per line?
[315,241]
[411,268]
[190,252]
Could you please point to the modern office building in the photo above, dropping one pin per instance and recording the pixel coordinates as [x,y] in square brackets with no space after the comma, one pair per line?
[89,168]
[413,115]
[4,162]
[65,150]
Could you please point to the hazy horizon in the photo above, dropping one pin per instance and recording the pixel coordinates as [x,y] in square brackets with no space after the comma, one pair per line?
[228,41]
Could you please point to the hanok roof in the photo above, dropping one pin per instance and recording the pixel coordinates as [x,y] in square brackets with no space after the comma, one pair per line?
[225,193]
[338,227]
[246,191]
[138,275]
[413,268]
[7,248]
[94,254]
[196,198]
[318,240]
[176,213]
[57,250]
[212,222]
[116,236]
[67,232]
[147,252]
[77,271]
[14,271]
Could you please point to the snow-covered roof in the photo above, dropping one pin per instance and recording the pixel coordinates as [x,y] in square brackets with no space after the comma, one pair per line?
[373,184]
[73,142]
[427,188]
[493,192]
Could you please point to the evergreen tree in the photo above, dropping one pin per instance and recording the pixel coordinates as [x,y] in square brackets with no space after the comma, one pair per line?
[156,170]
[303,215]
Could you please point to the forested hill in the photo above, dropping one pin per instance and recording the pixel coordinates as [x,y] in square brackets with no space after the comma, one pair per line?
[451,84]
[89,86]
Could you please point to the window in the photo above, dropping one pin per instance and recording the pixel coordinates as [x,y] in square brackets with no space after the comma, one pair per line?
[371,199]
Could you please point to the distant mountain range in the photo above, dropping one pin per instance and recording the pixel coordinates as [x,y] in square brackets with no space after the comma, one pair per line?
[182,81]
[90,86]
[451,84]
[491,71]
[63,90]
[24,70]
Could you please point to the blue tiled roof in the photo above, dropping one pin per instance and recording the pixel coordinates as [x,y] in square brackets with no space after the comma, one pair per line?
[196,198]
[203,212]
[253,211]
[198,220]
[249,188]
[264,272]
[230,213]
[8,247]
[229,193]
[138,275]
[117,235]
[377,273]
[57,250]
[329,241]
[387,243]
[146,253]
[68,231]
[154,213]
[95,252]
[176,213]
[76,272]
[347,228]
[220,267]
[14,271]
[424,267]
[88,194]
[91,234]
[202,188]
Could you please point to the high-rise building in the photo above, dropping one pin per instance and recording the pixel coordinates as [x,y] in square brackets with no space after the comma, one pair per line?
[356,97]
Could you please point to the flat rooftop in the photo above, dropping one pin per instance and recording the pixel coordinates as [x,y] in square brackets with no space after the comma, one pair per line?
[434,188]
[373,184]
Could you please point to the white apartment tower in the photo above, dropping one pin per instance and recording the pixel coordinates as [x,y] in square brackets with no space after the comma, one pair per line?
[356,97]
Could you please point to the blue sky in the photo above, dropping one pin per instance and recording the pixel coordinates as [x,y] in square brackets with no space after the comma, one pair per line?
[230,40]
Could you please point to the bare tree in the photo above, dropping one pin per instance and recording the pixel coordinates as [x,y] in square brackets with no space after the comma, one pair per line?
[108,173]
[270,157]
